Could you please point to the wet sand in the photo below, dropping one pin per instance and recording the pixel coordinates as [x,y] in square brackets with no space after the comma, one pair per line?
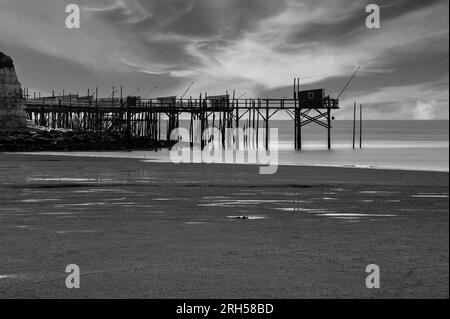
[156,230]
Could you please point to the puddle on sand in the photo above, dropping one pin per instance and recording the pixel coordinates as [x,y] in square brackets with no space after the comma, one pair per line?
[347,218]
[245,217]
[240,202]
[40,200]
[337,189]
[429,196]
[81,204]
[376,192]
[58,213]
[214,197]
[8,276]
[76,231]
[104,190]
[354,215]
[303,210]
[67,179]
[195,223]
[12,209]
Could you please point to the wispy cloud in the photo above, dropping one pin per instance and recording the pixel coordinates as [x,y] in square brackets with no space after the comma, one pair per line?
[251,46]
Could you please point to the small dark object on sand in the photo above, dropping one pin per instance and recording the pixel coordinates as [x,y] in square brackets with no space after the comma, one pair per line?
[241,217]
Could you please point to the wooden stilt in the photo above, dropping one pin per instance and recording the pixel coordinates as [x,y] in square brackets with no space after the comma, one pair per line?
[267,125]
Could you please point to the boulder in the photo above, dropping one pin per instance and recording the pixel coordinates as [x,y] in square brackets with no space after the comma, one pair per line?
[12,114]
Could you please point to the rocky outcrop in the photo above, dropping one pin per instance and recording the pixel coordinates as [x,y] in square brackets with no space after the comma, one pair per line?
[53,140]
[12,114]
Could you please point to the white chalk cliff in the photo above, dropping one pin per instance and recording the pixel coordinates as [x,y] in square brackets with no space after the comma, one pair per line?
[12,114]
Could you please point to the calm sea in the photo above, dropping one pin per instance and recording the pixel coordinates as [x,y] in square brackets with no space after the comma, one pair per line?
[418,145]
[412,145]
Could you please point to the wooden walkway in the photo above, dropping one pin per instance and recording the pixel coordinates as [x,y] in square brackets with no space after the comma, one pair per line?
[144,117]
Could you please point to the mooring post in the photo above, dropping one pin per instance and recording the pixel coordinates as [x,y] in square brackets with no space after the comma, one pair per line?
[354,123]
[360,125]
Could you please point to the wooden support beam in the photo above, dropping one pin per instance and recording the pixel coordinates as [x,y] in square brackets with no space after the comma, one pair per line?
[329,127]
[267,125]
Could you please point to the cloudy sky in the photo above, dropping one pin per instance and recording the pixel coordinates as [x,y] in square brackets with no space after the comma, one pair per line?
[255,47]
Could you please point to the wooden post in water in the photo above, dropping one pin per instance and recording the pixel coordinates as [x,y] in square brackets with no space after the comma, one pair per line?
[360,125]
[354,123]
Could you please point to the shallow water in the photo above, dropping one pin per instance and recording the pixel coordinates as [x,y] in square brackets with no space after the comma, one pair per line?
[407,145]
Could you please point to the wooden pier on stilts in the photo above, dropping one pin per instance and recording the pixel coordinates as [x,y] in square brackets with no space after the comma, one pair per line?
[150,116]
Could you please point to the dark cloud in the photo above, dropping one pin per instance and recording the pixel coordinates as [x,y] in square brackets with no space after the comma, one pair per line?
[253,46]
[228,19]
[352,26]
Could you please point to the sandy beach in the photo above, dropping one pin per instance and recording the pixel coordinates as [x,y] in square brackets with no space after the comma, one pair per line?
[160,230]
